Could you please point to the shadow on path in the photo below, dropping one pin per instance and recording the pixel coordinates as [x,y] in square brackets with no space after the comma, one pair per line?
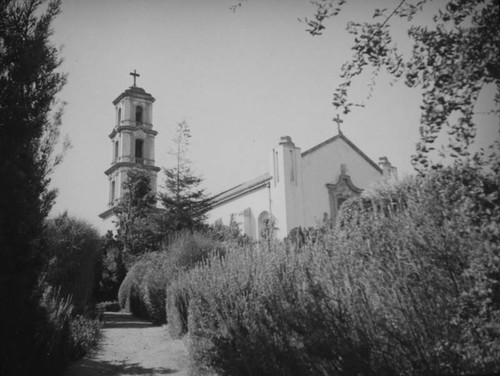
[119,350]
[114,320]
[89,367]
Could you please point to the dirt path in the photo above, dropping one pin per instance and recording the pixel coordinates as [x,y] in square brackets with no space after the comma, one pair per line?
[130,346]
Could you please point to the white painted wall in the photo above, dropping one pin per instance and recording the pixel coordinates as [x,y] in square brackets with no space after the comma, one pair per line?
[257,201]
[297,189]
[286,187]
[322,166]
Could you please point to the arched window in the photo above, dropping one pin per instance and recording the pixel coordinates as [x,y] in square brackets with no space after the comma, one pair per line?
[138,114]
[139,144]
[119,116]
[116,152]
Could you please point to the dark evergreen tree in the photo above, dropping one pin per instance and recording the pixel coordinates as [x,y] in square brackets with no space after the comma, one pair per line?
[29,129]
[136,217]
[184,202]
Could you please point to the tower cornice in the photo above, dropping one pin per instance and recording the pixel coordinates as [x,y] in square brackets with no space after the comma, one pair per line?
[145,129]
[119,165]
[134,92]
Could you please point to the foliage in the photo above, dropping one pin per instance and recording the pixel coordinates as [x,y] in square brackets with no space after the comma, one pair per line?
[153,285]
[300,237]
[129,293]
[407,284]
[136,224]
[454,56]
[53,331]
[113,268]
[184,202]
[85,333]
[73,260]
[177,306]
[228,234]
[188,249]
[111,306]
[29,83]
[61,336]
[143,291]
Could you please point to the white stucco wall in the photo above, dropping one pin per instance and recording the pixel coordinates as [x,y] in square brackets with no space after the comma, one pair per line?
[297,193]
[286,187]
[322,166]
[246,210]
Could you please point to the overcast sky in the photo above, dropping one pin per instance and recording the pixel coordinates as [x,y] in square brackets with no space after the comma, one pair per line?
[241,80]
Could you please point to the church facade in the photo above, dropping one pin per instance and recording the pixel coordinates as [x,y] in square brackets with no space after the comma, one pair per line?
[300,188]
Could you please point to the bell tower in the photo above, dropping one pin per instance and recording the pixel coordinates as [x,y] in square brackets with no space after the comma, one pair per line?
[132,141]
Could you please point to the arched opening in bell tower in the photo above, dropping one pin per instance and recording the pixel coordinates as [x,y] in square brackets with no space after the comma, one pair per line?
[138,114]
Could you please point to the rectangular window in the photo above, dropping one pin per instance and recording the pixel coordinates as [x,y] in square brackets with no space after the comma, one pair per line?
[116,152]
[113,193]
[138,150]
[276,167]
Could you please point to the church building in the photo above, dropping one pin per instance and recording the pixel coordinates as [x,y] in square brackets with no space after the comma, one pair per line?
[300,188]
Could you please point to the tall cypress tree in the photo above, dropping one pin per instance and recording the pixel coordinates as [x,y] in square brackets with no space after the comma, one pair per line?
[29,129]
[184,201]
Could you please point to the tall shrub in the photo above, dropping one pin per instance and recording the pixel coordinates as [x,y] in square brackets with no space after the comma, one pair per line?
[73,260]
[406,284]
[143,290]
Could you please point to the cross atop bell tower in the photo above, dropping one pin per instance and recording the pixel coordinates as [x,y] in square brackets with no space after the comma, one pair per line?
[135,74]
[132,141]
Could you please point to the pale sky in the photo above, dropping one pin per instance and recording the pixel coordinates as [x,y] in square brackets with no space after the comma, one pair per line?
[241,80]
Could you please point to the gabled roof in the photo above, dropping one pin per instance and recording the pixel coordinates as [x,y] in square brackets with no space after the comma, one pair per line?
[348,142]
[241,189]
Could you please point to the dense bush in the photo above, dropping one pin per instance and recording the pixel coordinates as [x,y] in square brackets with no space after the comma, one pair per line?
[85,333]
[230,234]
[73,260]
[65,293]
[129,293]
[177,306]
[53,330]
[153,284]
[407,283]
[61,335]
[143,291]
